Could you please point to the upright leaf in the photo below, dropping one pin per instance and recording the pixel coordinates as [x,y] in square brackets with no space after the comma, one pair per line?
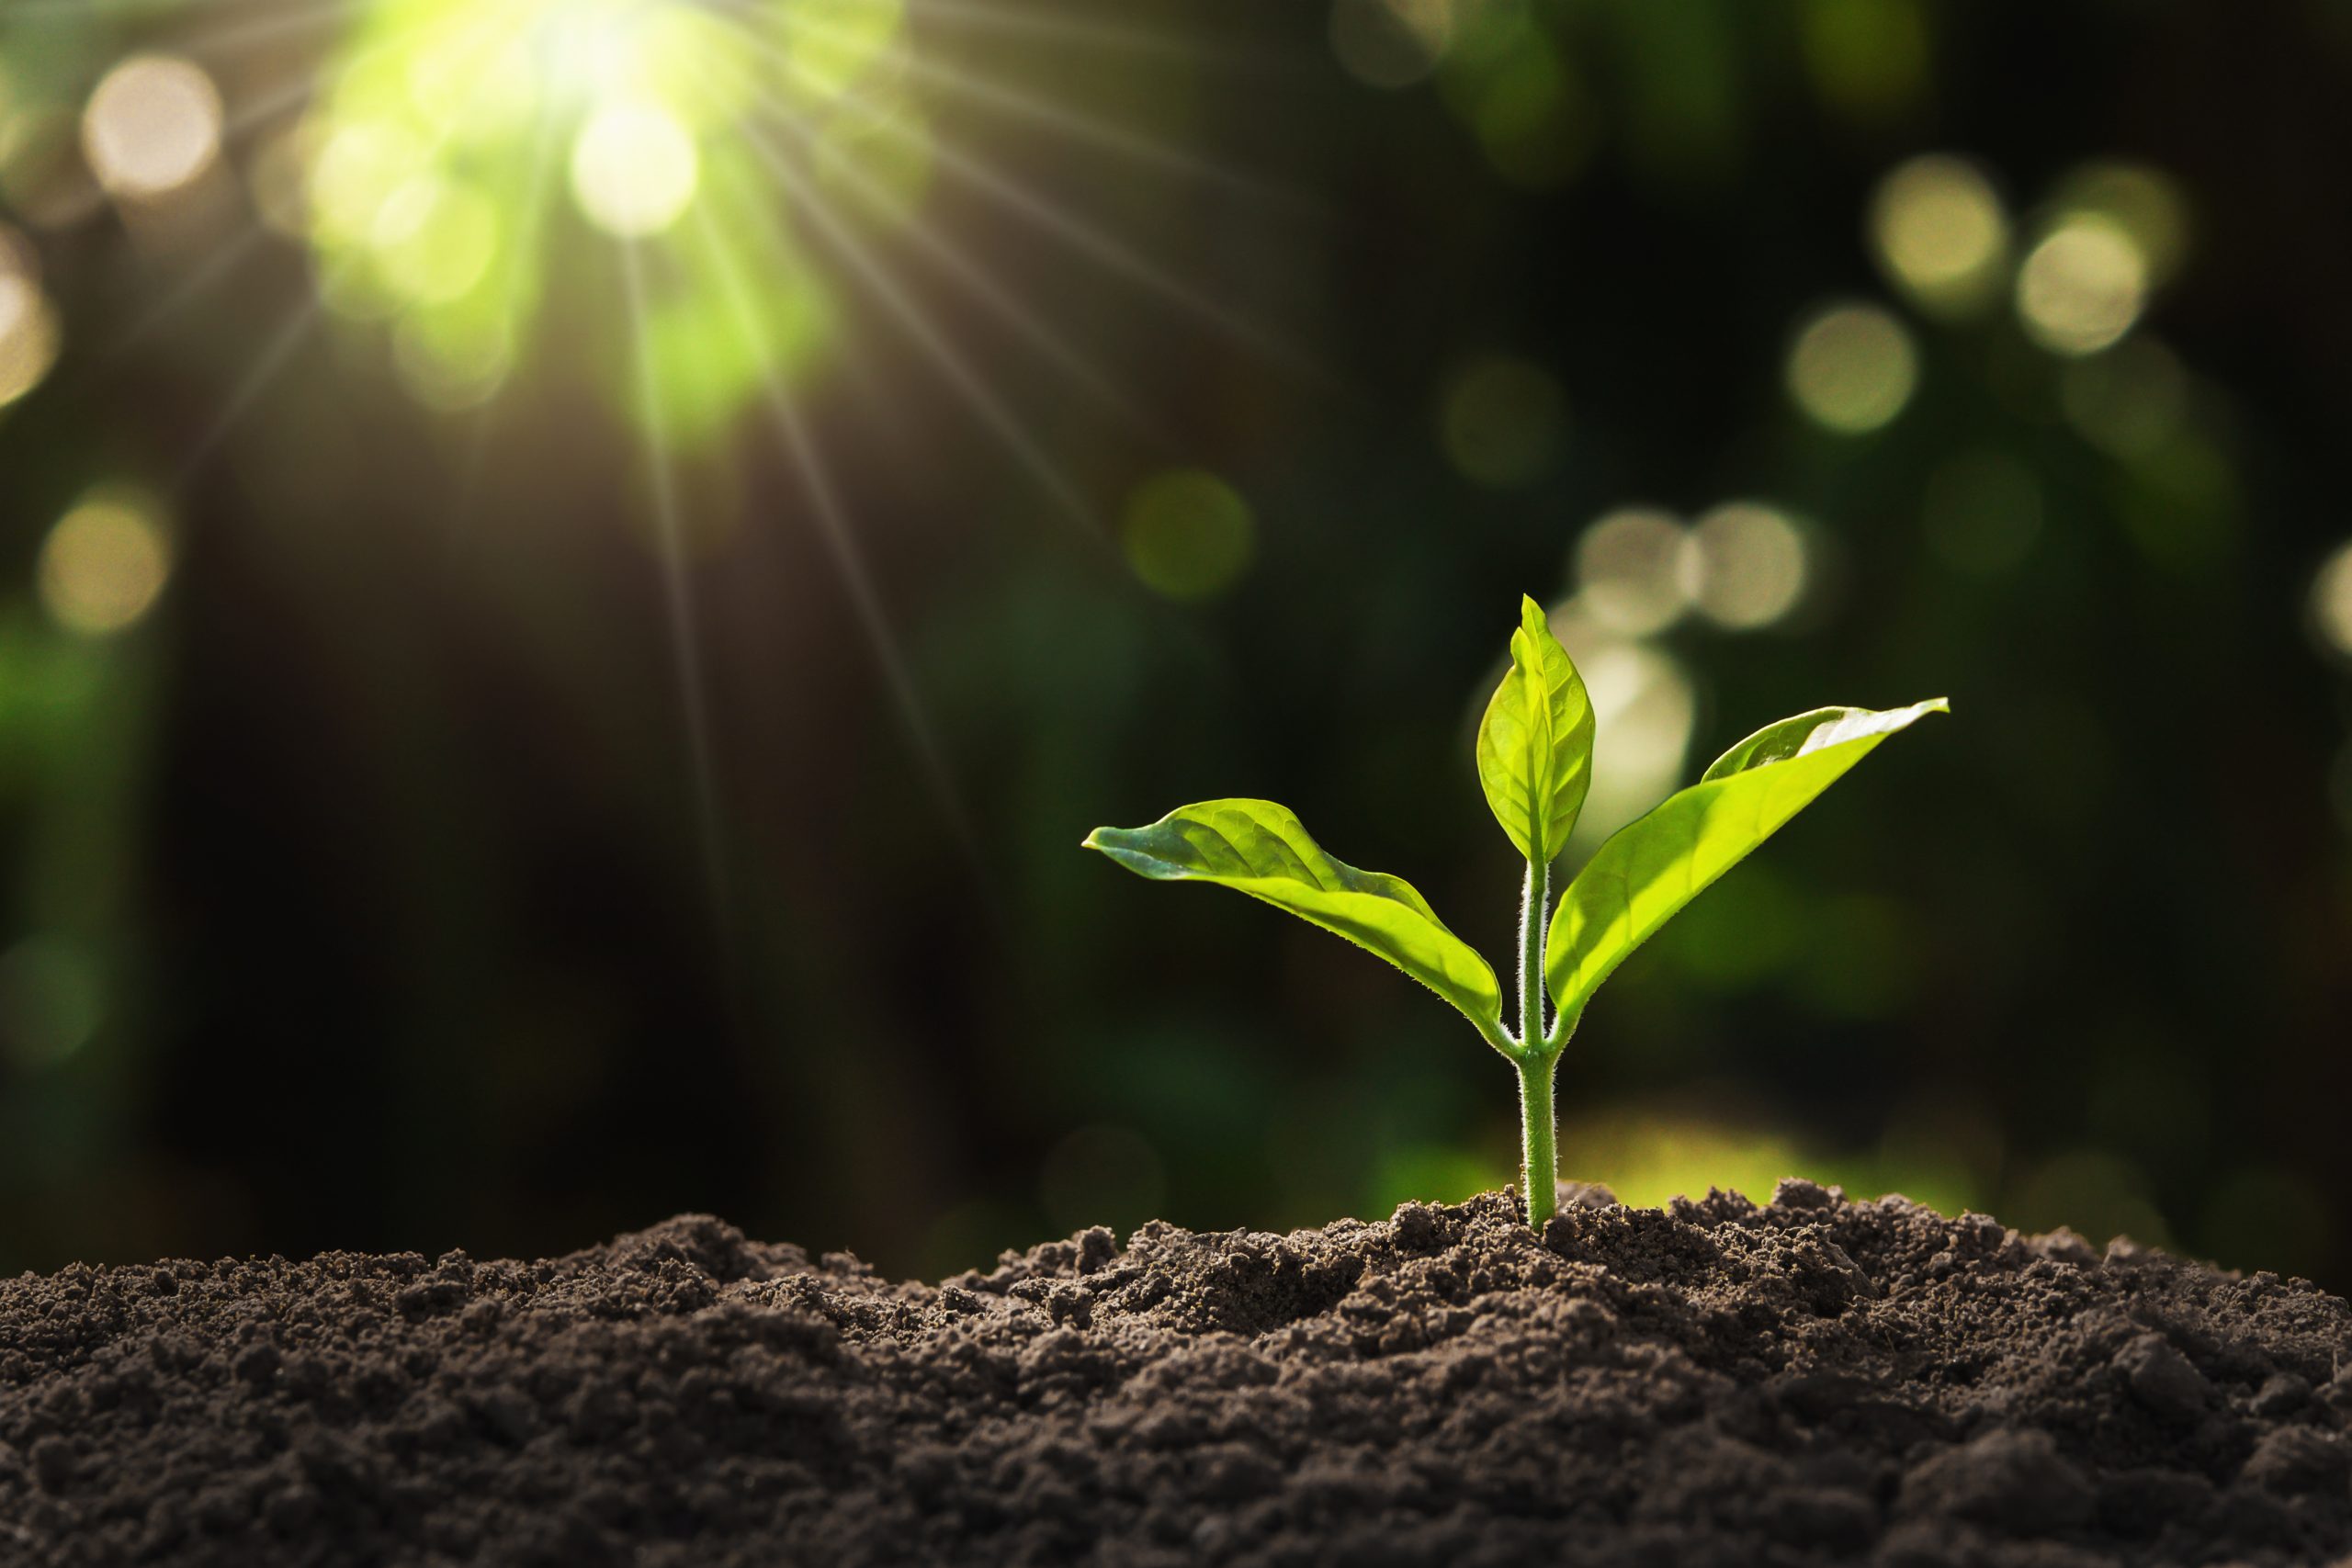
[1652,868]
[1535,743]
[1258,848]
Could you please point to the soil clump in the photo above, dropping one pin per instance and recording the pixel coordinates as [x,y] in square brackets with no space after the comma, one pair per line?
[1815,1380]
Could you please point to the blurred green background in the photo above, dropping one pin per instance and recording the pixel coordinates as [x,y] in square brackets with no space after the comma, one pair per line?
[576,570]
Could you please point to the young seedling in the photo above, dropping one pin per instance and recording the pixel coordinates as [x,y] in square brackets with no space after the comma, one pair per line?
[1535,763]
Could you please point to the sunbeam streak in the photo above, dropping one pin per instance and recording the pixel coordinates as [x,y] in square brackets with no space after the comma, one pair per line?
[418,116]
[82,11]
[1085,238]
[983,286]
[256,379]
[242,245]
[800,118]
[1089,34]
[830,512]
[685,645]
[1073,231]
[284,21]
[1073,124]
[297,91]
[909,315]
[536,183]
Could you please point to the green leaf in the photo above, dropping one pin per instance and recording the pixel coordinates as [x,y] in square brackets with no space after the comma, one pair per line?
[1655,866]
[1535,743]
[1258,848]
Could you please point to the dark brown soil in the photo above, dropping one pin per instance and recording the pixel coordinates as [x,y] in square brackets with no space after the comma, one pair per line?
[1817,1381]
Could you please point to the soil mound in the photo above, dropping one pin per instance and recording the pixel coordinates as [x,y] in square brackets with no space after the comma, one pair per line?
[1812,1381]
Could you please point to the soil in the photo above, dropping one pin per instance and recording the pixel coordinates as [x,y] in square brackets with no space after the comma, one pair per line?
[1815,1380]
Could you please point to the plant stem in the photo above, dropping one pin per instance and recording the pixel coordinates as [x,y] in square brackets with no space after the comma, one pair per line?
[1532,913]
[1539,1172]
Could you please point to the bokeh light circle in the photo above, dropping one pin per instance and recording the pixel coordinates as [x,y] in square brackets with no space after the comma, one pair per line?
[151,128]
[1746,566]
[1645,709]
[2083,287]
[2331,601]
[435,240]
[634,169]
[29,335]
[1503,422]
[1390,44]
[1939,232]
[1630,573]
[2144,202]
[104,565]
[1188,535]
[1852,368]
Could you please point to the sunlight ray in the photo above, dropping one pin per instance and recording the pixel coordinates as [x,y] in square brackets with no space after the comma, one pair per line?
[244,243]
[224,258]
[1116,255]
[282,12]
[1075,124]
[227,38]
[830,511]
[1113,254]
[686,648]
[87,10]
[209,39]
[533,211]
[985,287]
[1072,230]
[1089,33]
[254,382]
[299,88]
[140,13]
[909,314]
[255,111]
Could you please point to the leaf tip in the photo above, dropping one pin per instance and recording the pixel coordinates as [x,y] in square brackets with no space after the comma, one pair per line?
[1094,841]
[1936,705]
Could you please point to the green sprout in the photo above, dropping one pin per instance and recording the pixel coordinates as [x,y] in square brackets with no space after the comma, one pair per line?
[1535,763]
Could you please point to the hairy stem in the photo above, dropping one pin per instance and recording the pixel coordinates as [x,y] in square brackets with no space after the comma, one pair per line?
[1539,1172]
[1533,911]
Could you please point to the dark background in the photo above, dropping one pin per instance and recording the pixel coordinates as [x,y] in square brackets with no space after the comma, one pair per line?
[368,876]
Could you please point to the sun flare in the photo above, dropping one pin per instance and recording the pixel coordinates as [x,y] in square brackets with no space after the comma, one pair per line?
[463,155]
